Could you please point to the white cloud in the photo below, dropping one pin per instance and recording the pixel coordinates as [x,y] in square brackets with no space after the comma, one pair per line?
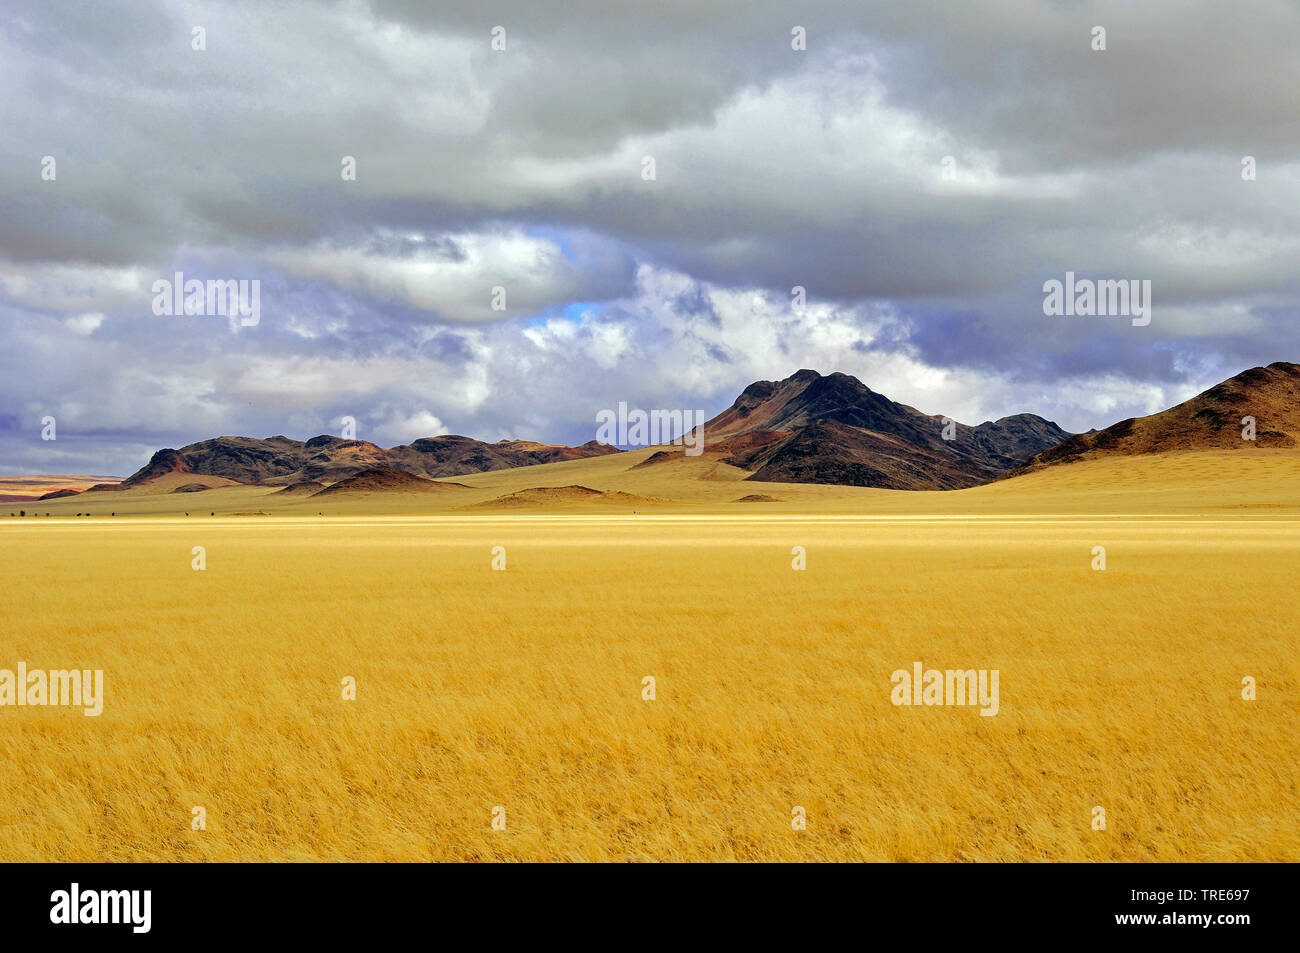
[84,324]
[74,287]
[460,278]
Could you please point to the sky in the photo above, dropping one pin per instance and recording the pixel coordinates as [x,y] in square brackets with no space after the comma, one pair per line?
[920,169]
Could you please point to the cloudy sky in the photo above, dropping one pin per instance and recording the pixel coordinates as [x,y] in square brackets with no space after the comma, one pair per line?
[525,169]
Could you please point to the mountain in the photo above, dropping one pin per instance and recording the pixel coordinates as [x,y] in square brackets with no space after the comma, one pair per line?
[277,461]
[811,428]
[808,428]
[1211,420]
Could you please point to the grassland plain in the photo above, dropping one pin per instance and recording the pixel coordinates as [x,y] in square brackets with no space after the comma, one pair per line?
[522,688]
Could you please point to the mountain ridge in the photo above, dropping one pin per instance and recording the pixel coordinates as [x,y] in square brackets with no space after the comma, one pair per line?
[281,461]
[806,428]
[1213,419]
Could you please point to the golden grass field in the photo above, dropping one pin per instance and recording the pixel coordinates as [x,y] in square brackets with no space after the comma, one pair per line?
[522,689]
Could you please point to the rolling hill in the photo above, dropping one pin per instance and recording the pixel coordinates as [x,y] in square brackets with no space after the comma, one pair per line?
[1212,420]
[382,480]
[280,461]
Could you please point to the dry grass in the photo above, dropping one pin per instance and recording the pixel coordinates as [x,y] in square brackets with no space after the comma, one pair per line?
[522,688]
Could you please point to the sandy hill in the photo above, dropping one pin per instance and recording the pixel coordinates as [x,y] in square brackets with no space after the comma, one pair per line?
[33,488]
[161,479]
[305,488]
[385,480]
[52,495]
[558,496]
[1211,420]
